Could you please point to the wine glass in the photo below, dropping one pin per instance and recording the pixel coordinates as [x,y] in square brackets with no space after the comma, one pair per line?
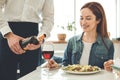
[116,68]
[47,53]
[47,50]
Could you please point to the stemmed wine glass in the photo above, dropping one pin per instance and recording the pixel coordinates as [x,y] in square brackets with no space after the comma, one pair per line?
[47,52]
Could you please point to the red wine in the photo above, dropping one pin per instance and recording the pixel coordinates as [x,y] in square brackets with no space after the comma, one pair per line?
[47,54]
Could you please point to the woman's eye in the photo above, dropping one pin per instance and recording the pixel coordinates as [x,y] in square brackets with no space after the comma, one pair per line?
[88,18]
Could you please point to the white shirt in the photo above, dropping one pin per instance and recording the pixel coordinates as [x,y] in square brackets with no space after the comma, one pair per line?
[86,53]
[27,11]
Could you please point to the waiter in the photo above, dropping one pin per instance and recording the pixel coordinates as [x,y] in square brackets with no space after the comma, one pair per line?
[19,19]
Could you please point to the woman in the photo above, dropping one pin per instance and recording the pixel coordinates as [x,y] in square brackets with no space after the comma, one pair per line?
[93,47]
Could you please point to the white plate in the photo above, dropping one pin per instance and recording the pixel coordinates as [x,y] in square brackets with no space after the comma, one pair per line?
[73,72]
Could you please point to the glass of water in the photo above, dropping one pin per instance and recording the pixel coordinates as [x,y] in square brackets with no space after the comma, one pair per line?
[116,69]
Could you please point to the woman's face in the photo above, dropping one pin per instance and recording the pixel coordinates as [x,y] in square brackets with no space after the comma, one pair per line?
[88,20]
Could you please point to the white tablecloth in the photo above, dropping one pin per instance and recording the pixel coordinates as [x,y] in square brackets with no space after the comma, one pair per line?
[58,74]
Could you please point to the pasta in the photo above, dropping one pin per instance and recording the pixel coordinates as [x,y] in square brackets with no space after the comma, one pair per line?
[81,68]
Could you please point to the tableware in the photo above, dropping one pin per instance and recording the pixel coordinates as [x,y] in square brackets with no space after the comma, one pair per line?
[47,53]
[116,72]
[80,72]
[116,69]
[47,50]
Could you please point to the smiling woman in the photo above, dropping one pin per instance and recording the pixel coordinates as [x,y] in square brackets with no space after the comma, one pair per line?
[93,46]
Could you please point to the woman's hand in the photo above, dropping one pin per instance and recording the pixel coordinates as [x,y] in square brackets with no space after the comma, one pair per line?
[107,65]
[50,64]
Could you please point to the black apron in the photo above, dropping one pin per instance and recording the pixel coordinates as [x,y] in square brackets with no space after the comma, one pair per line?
[9,61]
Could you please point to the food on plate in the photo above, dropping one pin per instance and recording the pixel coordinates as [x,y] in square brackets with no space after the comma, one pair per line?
[81,68]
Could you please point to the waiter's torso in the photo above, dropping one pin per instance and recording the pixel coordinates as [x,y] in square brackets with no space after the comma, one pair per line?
[23,10]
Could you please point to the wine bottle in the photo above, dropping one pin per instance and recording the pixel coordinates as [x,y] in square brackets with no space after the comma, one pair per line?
[32,40]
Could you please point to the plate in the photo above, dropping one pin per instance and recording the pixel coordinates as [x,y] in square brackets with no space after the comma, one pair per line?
[77,72]
[72,72]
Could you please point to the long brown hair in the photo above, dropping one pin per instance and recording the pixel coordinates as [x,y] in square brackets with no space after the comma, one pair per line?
[98,11]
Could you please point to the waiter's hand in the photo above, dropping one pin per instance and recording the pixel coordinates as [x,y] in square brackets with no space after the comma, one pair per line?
[13,43]
[32,46]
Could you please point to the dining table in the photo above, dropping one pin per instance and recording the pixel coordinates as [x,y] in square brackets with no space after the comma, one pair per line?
[58,74]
